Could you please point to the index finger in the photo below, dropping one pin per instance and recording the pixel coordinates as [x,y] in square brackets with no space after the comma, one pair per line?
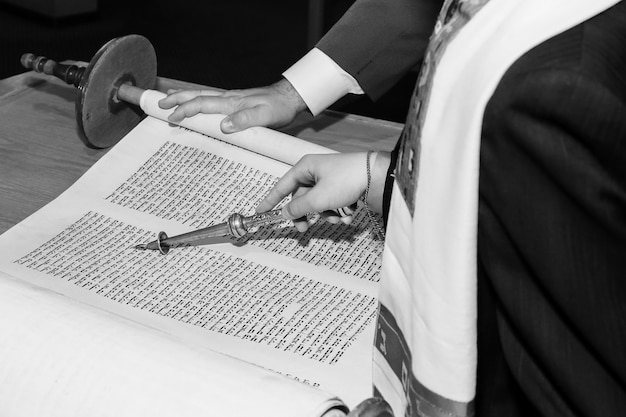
[202,104]
[176,97]
[295,178]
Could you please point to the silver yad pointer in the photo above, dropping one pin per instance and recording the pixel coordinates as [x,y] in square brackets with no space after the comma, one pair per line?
[236,225]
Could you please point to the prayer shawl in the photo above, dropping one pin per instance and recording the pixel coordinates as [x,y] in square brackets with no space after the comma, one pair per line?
[425,352]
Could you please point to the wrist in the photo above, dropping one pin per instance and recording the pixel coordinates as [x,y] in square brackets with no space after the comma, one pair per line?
[373,191]
[290,95]
[320,81]
[379,165]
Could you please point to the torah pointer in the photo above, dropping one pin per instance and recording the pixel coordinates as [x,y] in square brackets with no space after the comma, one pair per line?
[236,225]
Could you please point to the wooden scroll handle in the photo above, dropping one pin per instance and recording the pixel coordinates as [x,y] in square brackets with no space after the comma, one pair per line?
[73,74]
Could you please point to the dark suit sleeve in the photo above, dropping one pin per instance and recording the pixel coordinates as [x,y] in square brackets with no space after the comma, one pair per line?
[552,222]
[379,41]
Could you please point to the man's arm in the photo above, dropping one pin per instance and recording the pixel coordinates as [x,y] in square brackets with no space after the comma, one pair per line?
[380,41]
[374,44]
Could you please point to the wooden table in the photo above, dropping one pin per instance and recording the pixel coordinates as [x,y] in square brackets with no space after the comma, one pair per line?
[42,154]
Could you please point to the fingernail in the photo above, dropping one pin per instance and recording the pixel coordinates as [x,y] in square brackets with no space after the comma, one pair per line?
[227,125]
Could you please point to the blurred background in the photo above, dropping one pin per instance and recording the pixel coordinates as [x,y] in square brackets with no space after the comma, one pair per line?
[226,44]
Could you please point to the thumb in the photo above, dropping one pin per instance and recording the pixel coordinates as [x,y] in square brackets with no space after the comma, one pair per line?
[290,211]
[242,119]
[304,202]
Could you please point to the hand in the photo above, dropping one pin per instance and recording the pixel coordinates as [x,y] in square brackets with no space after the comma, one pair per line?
[272,106]
[319,183]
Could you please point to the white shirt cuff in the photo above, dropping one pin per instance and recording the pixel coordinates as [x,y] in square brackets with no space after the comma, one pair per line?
[320,81]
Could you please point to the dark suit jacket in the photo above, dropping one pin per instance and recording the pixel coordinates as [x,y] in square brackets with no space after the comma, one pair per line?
[552,214]
[379,41]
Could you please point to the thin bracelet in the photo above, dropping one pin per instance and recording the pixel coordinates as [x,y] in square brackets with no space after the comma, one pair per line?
[379,231]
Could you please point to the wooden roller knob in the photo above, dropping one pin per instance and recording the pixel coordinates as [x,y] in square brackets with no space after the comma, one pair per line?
[117,74]
[71,74]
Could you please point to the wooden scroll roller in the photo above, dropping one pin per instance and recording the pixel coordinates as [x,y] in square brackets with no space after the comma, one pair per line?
[116,90]
[116,75]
